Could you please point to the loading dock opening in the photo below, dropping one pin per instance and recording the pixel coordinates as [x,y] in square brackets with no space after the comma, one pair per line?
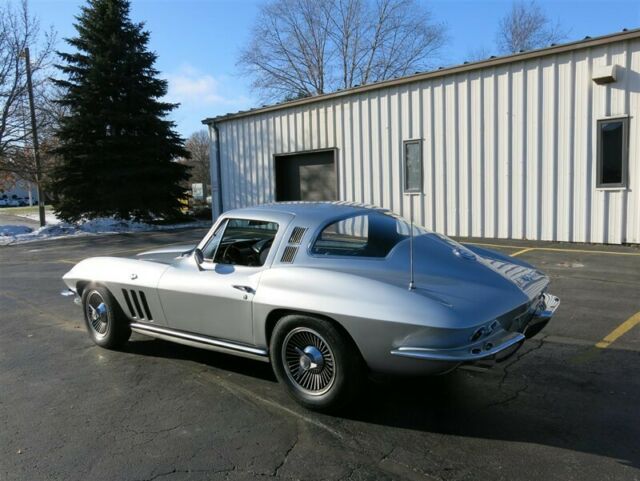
[306,176]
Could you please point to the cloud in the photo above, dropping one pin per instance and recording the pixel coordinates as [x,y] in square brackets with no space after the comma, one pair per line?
[202,95]
[189,86]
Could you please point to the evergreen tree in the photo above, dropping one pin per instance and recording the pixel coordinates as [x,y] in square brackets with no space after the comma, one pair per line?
[117,148]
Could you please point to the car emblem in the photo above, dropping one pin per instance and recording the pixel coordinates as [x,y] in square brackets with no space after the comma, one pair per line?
[528,277]
[133,277]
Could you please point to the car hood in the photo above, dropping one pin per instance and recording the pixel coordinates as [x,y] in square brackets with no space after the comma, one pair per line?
[166,255]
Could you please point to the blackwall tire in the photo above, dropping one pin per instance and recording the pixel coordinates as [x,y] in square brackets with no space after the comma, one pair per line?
[321,368]
[107,325]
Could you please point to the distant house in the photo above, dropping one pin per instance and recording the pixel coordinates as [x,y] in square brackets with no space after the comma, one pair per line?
[542,145]
[12,187]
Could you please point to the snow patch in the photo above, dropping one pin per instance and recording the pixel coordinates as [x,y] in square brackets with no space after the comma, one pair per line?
[49,217]
[14,230]
[21,234]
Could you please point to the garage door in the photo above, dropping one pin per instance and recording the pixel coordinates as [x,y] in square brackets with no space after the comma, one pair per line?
[308,176]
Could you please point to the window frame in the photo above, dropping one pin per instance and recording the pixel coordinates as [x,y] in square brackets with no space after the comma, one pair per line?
[405,176]
[623,184]
[317,232]
[222,225]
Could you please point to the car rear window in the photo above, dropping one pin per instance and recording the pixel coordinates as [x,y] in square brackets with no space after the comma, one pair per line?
[365,235]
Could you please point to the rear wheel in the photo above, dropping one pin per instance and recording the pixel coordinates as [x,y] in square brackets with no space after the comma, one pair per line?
[320,366]
[106,323]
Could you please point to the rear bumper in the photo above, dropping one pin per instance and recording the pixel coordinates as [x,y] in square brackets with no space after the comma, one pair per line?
[498,346]
[543,314]
[501,347]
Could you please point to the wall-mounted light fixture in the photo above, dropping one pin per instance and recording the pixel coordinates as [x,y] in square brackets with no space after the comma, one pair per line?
[604,74]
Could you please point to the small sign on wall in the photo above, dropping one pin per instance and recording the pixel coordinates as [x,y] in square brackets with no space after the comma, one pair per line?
[197,191]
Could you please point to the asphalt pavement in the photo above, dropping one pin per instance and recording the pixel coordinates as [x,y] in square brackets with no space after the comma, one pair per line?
[11,219]
[561,409]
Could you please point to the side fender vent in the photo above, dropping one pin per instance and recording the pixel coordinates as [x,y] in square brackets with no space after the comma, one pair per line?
[147,311]
[136,307]
[289,254]
[127,299]
[296,235]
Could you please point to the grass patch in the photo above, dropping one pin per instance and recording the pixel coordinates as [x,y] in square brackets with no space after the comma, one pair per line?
[23,210]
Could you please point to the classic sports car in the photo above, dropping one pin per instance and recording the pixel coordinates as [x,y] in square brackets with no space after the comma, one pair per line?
[325,292]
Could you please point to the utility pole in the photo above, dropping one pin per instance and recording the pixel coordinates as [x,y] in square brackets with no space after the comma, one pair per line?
[36,148]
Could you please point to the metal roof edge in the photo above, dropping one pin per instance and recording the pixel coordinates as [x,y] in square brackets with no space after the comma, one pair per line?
[587,42]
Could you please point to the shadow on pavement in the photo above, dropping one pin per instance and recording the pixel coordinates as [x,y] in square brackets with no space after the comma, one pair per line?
[551,402]
[169,350]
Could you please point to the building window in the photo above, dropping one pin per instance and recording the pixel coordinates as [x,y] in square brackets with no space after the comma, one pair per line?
[613,152]
[413,166]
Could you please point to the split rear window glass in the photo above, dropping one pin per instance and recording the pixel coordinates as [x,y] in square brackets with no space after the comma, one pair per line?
[367,235]
[612,152]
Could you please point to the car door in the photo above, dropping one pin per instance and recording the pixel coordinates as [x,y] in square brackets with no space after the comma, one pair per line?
[214,298]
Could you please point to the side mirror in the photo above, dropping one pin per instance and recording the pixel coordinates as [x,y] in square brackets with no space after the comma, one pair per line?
[198,256]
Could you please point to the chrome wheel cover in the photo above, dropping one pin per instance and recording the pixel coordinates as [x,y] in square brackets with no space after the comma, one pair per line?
[97,314]
[308,361]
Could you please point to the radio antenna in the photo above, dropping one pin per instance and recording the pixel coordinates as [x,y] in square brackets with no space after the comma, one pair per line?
[411,283]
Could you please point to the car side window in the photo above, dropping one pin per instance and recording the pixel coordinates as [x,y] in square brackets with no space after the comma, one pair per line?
[245,242]
[366,235]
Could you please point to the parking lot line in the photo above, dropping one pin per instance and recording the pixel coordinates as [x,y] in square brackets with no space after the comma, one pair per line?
[586,251]
[522,251]
[555,249]
[484,244]
[619,331]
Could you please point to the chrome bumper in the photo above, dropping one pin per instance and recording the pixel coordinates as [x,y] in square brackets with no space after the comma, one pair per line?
[511,342]
[543,314]
[499,346]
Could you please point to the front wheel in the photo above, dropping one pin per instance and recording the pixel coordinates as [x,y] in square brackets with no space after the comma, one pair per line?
[320,366]
[107,325]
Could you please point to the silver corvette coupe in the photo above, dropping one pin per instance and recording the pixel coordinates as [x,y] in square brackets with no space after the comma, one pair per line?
[324,291]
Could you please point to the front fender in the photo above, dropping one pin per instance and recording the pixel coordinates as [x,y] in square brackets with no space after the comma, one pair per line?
[130,281]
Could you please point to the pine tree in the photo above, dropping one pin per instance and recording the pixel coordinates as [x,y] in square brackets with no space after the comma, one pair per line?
[117,148]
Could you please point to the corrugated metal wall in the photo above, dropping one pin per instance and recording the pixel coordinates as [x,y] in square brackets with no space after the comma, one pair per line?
[508,151]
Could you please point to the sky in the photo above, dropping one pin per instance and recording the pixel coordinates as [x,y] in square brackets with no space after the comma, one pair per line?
[198,41]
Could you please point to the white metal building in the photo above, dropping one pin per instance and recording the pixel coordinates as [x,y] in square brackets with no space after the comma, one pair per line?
[540,145]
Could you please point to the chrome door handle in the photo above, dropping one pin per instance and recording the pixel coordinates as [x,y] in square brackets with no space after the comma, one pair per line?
[246,289]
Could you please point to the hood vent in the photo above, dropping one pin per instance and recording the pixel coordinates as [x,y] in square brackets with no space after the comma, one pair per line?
[289,254]
[296,235]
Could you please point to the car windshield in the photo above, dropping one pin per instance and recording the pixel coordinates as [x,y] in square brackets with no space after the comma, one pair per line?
[366,235]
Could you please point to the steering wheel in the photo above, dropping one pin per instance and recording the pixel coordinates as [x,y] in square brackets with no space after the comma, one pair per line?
[231,255]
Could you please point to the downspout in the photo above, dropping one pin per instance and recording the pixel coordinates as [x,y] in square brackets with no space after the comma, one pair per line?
[217,181]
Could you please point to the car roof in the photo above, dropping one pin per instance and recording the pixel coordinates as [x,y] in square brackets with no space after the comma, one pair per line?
[311,211]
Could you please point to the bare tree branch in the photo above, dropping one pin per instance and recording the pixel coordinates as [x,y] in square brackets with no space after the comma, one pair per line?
[527,27]
[18,30]
[308,47]
[198,146]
